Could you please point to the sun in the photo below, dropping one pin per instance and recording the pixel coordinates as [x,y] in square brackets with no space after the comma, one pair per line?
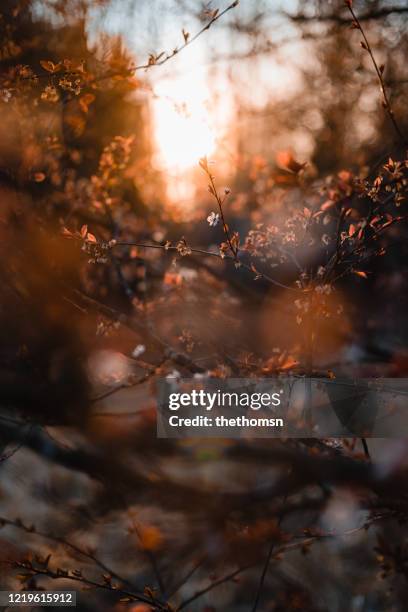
[182,124]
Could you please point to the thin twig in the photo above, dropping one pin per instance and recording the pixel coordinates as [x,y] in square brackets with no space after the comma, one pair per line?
[17,524]
[151,557]
[243,265]
[234,250]
[379,71]
[214,584]
[66,575]
[186,578]
[294,545]
[370,15]
[267,562]
[160,62]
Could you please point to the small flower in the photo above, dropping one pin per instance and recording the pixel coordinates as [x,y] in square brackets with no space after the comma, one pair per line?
[98,250]
[325,239]
[223,248]
[50,94]
[227,191]
[213,219]
[107,328]
[182,248]
[138,350]
[73,85]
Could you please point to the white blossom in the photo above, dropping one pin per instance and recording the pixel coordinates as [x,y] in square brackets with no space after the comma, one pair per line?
[138,350]
[213,219]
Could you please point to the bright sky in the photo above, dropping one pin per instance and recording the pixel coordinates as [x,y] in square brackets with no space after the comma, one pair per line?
[194,102]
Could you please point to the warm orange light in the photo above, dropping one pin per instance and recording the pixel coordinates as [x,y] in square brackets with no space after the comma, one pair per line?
[182,123]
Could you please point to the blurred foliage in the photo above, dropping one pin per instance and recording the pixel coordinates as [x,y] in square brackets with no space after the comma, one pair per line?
[298,267]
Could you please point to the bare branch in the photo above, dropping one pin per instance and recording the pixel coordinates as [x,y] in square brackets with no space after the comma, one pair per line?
[379,71]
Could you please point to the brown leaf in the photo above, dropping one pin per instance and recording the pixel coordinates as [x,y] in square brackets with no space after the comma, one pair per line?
[85,101]
[327,204]
[285,160]
[39,177]
[360,273]
[151,538]
[50,66]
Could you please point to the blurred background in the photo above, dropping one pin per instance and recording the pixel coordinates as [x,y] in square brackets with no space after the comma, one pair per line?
[106,109]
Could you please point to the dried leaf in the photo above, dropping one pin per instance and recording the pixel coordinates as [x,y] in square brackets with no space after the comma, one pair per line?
[151,538]
[285,160]
[50,66]
[39,177]
[85,101]
[360,273]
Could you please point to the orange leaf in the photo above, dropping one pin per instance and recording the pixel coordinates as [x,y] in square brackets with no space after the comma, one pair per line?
[360,273]
[151,538]
[50,66]
[288,364]
[39,177]
[285,160]
[327,204]
[85,101]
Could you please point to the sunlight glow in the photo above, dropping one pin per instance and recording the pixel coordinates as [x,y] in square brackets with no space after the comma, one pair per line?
[183,129]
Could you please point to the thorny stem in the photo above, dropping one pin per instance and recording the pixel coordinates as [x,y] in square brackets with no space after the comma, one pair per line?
[378,70]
